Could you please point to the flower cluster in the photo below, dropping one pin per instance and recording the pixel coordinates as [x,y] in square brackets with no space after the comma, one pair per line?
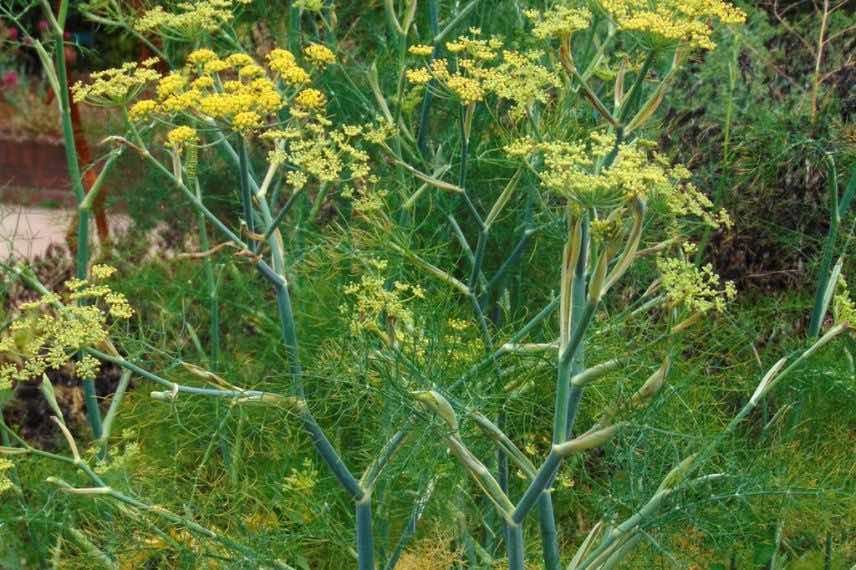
[237,93]
[376,305]
[116,86]
[576,171]
[192,19]
[670,22]
[558,22]
[482,67]
[319,55]
[697,289]
[52,329]
[180,137]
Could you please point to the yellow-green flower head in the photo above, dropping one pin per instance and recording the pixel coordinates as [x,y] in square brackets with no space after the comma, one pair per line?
[698,289]
[180,102]
[478,49]
[239,60]
[100,271]
[319,54]
[251,71]
[669,22]
[310,99]
[171,84]
[521,79]
[420,50]
[201,57]
[247,122]
[50,332]
[142,110]
[419,76]
[284,63]
[559,21]
[179,137]
[5,483]
[190,20]
[203,82]
[116,86]
[467,89]
[216,66]
[575,170]
[374,303]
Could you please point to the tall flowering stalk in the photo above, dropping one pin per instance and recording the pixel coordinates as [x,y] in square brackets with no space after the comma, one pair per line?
[607,184]
[56,72]
[235,98]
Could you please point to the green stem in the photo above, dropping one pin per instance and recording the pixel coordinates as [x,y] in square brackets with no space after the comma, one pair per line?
[564,390]
[516,547]
[543,479]
[93,411]
[211,284]
[549,534]
[365,538]
[246,191]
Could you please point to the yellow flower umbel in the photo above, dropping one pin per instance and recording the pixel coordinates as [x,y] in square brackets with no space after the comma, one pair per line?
[670,22]
[380,310]
[699,290]
[190,20]
[466,82]
[575,170]
[558,22]
[319,55]
[179,137]
[484,68]
[52,330]
[115,87]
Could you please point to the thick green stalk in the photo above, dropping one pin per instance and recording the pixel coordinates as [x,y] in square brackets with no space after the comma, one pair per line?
[578,302]
[365,538]
[211,285]
[549,533]
[516,547]
[543,478]
[322,445]
[93,411]
[564,390]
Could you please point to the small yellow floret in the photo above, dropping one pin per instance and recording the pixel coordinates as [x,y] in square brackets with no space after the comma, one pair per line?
[201,56]
[420,49]
[180,136]
[142,110]
[247,121]
[310,99]
[319,54]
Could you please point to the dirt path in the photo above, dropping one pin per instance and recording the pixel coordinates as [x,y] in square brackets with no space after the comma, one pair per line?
[27,232]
